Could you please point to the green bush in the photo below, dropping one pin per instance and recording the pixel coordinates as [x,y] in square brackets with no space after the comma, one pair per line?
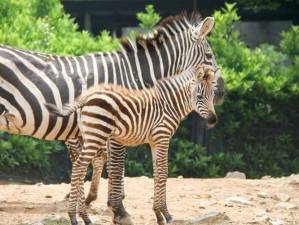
[41,25]
[22,154]
[262,88]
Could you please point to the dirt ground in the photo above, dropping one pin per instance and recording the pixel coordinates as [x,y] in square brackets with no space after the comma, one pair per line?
[265,201]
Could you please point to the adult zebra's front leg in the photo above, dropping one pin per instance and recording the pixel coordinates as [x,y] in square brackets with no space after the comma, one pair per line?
[115,167]
[159,150]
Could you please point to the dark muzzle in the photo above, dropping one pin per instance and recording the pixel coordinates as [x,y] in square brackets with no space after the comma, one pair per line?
[211,120]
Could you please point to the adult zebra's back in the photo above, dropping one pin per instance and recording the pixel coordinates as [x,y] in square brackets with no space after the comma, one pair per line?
[29,79]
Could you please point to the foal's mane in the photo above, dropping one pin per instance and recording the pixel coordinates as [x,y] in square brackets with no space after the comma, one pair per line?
[171,25]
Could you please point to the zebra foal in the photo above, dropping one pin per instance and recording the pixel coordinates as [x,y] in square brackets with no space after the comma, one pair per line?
[123,117]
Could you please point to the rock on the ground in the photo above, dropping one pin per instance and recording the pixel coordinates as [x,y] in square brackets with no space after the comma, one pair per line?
[281,197]
[286,205]
[211,218]
[236,175]
[239,200]
[276,222]
[262,195]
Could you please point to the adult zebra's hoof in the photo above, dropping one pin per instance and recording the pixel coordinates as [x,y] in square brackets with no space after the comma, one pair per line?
[126,221]
[87,221]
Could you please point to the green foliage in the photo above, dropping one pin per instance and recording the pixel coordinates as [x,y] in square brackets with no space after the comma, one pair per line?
[52,31]
[262,87]
[22,153]
[41,25]
[139,161]
[289,43]
[149,19]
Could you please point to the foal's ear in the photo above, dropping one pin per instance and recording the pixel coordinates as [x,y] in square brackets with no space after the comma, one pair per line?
[199,74]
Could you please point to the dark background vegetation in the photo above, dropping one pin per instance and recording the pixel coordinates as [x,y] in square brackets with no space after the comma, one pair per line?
[258,128]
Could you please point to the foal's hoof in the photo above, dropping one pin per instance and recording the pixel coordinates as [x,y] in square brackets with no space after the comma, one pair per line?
[87,221]
[126,221]
[162,222]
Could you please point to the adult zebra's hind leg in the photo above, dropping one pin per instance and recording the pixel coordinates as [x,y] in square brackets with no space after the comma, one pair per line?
[74,147]
[115,165]
[92,146]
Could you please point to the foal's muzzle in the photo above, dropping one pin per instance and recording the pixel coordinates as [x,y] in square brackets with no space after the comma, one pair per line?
[211,120]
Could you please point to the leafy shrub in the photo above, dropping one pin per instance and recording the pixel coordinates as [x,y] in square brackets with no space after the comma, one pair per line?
[148,19]
[22,154]
[41,25]
[262,87]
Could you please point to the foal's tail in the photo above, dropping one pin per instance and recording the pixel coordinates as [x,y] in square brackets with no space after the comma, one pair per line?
[66,109]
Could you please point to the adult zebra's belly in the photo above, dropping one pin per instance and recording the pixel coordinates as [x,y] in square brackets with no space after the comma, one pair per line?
[49,128]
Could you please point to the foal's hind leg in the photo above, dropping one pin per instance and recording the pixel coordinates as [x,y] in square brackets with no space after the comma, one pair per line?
[116,157]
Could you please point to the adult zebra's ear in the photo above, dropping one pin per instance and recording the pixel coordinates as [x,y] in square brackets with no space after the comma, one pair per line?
[206,27]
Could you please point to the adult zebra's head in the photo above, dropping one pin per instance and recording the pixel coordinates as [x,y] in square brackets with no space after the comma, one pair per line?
[188,35]
[203,93]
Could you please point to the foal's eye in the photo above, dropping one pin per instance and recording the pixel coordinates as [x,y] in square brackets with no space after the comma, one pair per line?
[209,55]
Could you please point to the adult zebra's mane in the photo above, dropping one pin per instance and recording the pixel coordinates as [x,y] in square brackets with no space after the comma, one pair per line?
[171,25]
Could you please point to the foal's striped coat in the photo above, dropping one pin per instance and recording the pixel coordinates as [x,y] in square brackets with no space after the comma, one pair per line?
[122,117]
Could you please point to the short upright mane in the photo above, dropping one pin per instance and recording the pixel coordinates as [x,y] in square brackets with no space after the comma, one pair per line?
[171,25]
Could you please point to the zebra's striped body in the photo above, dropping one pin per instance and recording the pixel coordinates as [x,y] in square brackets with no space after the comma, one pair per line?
[129,118]
[29,79]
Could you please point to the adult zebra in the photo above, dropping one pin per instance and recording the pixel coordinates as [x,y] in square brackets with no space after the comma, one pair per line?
[30,79]
[123,117]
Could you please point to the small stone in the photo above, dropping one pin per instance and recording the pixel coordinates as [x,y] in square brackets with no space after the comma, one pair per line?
[201,206]
[182,195]
[262,195]
[236,175]
[252,222]
[39,184]
[266,178]
[180,177]
[48,196]
[281,197]
[210,218]
[277,222]
[95,220]
[239,200]
[286,205]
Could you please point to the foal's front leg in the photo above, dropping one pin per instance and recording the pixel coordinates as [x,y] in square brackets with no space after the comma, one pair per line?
[160,166]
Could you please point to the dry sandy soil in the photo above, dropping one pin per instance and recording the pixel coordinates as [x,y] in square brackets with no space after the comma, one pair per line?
[266,201]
